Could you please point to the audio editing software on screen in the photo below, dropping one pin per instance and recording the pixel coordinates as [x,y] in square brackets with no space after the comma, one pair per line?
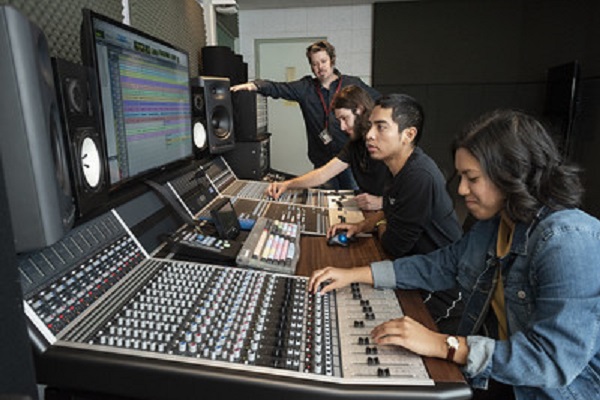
[146,101]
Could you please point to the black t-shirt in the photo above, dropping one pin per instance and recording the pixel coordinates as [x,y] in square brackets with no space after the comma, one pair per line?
[419,211]
[420,219]
[370,175]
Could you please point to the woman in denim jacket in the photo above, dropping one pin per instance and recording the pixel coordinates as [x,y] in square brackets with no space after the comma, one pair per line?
[532,262]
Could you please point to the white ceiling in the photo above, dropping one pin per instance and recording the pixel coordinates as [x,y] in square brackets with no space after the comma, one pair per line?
[258,4]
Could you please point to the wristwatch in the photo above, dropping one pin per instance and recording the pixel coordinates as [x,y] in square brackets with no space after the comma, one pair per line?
[380,222]
[453,343]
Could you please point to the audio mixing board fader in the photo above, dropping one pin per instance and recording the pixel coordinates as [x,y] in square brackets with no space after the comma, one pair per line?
[62,281]
[266,323]
[313,209]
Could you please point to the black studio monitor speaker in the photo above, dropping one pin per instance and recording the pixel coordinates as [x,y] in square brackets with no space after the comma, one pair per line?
[199,135]
[33,151]
[251,160]
[86,155]
[245,116]
[217,118]
[218,61]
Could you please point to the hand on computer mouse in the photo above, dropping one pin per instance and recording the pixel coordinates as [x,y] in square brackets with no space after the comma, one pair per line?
[341,238]
[350,229]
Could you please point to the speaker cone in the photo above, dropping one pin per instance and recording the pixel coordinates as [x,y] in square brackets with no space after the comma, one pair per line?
[221,122]
[199,136]
[89,157]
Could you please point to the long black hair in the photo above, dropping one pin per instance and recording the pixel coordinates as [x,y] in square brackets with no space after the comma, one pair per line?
[354,98]
[521,159]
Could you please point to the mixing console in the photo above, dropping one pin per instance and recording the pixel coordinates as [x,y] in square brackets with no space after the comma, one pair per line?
[113,302]
[219,174]
[311,220]
[194,191]
[193,245]
[200,314]
[107,313]
[272,245]
[313,209]
[256,190]
[63,280]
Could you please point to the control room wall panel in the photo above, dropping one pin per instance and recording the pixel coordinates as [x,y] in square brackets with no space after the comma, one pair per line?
[178,22]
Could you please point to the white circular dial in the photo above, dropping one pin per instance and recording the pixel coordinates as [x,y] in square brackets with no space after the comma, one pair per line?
[199,135]
[90,162]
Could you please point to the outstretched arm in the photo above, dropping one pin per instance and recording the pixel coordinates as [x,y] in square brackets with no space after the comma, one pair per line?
[249,86]
[313,178]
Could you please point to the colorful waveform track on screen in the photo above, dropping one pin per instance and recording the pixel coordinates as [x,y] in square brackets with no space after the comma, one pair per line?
[145,98]
[156,111]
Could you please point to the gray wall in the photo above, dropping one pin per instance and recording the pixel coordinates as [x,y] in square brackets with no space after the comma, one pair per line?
[179,22]
[460,58]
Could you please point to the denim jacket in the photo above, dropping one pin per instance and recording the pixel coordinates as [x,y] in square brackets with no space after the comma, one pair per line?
[552,296]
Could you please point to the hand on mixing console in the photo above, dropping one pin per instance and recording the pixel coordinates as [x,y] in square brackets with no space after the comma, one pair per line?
[334,278]
[276,189]
[413,336]
[366,201]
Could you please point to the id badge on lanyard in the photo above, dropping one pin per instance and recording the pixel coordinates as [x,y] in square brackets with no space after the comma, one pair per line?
[324,135]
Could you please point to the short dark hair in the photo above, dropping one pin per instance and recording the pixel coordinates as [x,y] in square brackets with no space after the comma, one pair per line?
[520,158]
[320,46]
[354,97]
[406,112]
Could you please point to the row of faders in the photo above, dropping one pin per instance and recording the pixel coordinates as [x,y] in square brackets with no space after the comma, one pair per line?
[227,314]
[272,245]
[254,320]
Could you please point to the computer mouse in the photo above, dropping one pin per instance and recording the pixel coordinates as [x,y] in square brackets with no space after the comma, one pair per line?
[340,239]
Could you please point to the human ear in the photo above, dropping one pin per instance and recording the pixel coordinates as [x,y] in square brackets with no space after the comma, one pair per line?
[410,133]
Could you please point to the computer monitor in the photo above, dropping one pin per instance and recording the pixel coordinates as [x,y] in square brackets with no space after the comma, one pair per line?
[144,95]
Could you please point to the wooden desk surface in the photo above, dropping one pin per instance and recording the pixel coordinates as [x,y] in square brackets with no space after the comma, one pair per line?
[316,254]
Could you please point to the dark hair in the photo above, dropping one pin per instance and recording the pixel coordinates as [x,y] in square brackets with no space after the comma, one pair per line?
[354,97]
[406,112]
[320,46]
[520,158]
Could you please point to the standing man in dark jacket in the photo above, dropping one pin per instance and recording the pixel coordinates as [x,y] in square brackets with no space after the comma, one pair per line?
[315,95]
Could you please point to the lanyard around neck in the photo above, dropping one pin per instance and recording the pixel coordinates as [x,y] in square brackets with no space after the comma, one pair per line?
[325,108]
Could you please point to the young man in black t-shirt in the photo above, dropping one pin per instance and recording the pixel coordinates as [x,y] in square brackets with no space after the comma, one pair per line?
[418,214]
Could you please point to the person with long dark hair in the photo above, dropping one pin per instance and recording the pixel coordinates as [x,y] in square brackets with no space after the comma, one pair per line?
[352,107]
[528,269]
[314,96]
